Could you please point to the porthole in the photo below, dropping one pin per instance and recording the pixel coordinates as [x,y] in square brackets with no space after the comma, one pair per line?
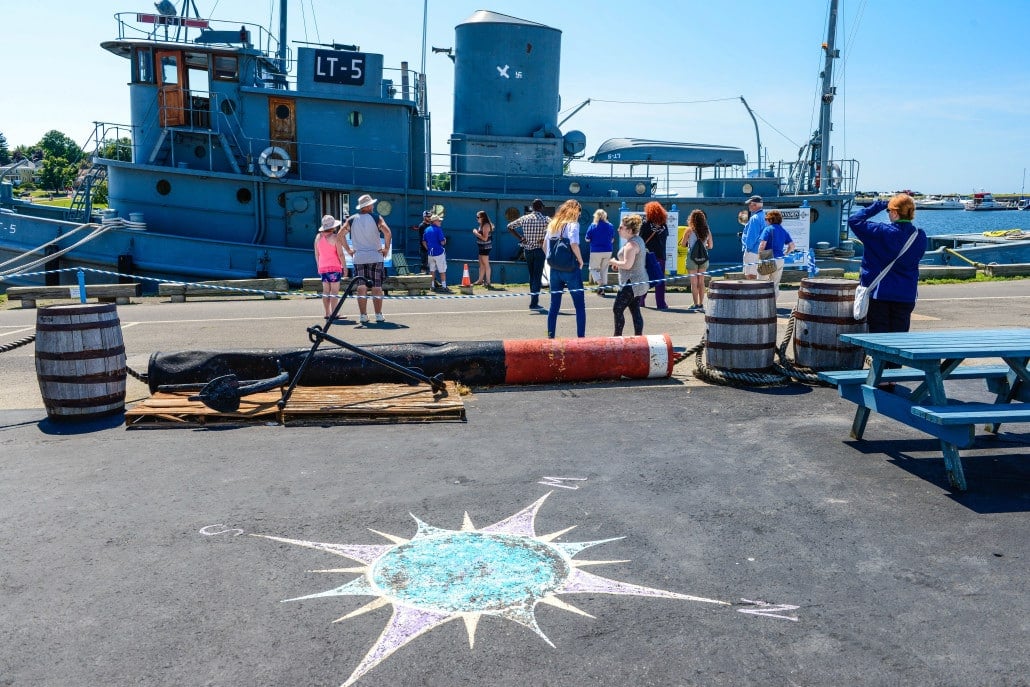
[243,195]
[354,118]
[164,187]
[747,189]
[640,188]
[384,207]
[228,107]
[281,200]
[511,214]
[574,187]
[282,112]
[813,216]
[200,151]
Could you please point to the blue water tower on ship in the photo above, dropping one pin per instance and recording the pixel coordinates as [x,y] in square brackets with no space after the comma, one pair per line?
[506,103]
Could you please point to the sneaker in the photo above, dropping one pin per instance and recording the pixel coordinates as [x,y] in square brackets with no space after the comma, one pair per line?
[363,319]
[379,317]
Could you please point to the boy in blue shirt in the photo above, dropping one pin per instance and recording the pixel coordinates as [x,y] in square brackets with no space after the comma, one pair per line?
[434,241]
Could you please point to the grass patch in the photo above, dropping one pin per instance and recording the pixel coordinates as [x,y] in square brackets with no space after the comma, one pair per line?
[980,277]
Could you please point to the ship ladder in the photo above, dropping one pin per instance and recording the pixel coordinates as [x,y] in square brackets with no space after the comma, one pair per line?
[82,202]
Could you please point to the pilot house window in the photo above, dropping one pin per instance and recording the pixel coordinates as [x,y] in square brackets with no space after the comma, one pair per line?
[143,66]
[225,68]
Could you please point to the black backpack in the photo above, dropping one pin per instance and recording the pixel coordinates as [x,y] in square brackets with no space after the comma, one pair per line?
[699,252]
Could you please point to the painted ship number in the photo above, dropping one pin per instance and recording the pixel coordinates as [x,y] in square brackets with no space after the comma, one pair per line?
[340,67]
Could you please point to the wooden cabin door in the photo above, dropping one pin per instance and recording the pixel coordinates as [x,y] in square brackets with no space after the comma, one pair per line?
[171,88]
[282,128]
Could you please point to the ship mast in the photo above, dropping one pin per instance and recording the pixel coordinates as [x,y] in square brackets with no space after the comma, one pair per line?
[281,52]
[828,93]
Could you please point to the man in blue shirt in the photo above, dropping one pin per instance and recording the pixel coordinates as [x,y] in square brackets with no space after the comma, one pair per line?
[434,241]
[752,236]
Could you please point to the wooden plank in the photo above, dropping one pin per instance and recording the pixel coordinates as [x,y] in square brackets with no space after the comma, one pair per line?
[370,404]
[939,345]
[906,374]
[974,413]
[1021,269]
[92,291]
[269,287]
[373,403]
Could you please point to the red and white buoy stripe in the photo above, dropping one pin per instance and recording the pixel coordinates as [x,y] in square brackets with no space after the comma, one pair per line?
[535,361]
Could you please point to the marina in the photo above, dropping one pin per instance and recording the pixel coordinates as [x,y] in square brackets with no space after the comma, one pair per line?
[237,147]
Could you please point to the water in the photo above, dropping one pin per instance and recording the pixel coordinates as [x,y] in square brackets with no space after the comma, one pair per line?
[935,222]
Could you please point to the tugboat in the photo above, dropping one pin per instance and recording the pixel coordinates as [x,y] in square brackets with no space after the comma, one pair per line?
[237,148]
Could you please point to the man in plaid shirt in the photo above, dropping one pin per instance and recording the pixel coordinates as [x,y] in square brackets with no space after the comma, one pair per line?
[530,230]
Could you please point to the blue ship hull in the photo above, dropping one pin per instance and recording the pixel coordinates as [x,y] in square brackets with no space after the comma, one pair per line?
[231,174]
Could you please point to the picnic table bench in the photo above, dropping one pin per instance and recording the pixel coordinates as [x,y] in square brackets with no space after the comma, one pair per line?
[932,358]
[104,293]
[269,287]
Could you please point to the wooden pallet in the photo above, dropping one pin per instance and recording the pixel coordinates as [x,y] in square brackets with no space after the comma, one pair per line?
[369,404]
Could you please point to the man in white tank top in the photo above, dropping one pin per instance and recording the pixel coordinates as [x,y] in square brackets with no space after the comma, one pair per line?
[368,254]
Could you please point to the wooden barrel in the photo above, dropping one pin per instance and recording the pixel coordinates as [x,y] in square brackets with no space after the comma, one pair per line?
[740,324]
[80,361]
[824,312]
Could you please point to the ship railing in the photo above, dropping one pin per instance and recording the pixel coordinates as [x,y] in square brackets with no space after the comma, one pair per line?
[805,177]
[192,30]
[109,141]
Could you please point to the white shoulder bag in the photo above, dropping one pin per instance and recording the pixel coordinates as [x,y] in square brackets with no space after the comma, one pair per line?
[861,307]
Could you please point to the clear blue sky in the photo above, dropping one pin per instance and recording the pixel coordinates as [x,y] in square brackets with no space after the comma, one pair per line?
[933,95]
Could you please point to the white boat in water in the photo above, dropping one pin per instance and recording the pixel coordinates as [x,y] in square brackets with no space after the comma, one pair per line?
[986,201]
[951,202]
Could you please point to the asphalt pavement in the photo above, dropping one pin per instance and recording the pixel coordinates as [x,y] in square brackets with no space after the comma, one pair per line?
[722,536]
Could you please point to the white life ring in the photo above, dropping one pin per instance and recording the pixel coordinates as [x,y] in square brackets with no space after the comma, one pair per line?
[274,162]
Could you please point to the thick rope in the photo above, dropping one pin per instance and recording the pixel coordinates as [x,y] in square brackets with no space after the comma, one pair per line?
[732,378]
[51,242]
[143,377]
[17,344]
[36,263]
[790,368]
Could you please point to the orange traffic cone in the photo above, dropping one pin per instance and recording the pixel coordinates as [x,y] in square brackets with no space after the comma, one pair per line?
[466,280]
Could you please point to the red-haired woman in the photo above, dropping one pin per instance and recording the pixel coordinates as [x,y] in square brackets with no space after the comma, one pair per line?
[655,233]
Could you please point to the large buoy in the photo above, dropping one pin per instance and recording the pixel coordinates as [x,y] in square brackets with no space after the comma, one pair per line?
[481,363]
[274,162]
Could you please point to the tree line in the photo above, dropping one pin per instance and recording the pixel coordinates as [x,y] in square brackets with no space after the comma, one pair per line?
[58,158]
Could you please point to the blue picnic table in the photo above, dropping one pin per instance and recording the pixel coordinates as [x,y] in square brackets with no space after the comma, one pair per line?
[932,358]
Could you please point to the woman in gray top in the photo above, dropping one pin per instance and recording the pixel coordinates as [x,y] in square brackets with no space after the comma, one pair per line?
[632,275]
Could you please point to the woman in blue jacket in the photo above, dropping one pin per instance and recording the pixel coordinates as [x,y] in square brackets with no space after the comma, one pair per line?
[894,298]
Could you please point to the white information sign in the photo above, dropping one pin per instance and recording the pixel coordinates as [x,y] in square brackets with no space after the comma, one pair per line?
[797,222]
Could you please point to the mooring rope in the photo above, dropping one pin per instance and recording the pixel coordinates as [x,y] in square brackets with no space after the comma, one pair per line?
[789,367]
[51,242]
[17,344]
[715,375]
[141,376]
[19,271]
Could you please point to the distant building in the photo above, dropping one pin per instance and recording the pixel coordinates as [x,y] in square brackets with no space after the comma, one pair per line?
[19,172]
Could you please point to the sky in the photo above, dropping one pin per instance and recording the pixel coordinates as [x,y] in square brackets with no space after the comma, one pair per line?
[932,95]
